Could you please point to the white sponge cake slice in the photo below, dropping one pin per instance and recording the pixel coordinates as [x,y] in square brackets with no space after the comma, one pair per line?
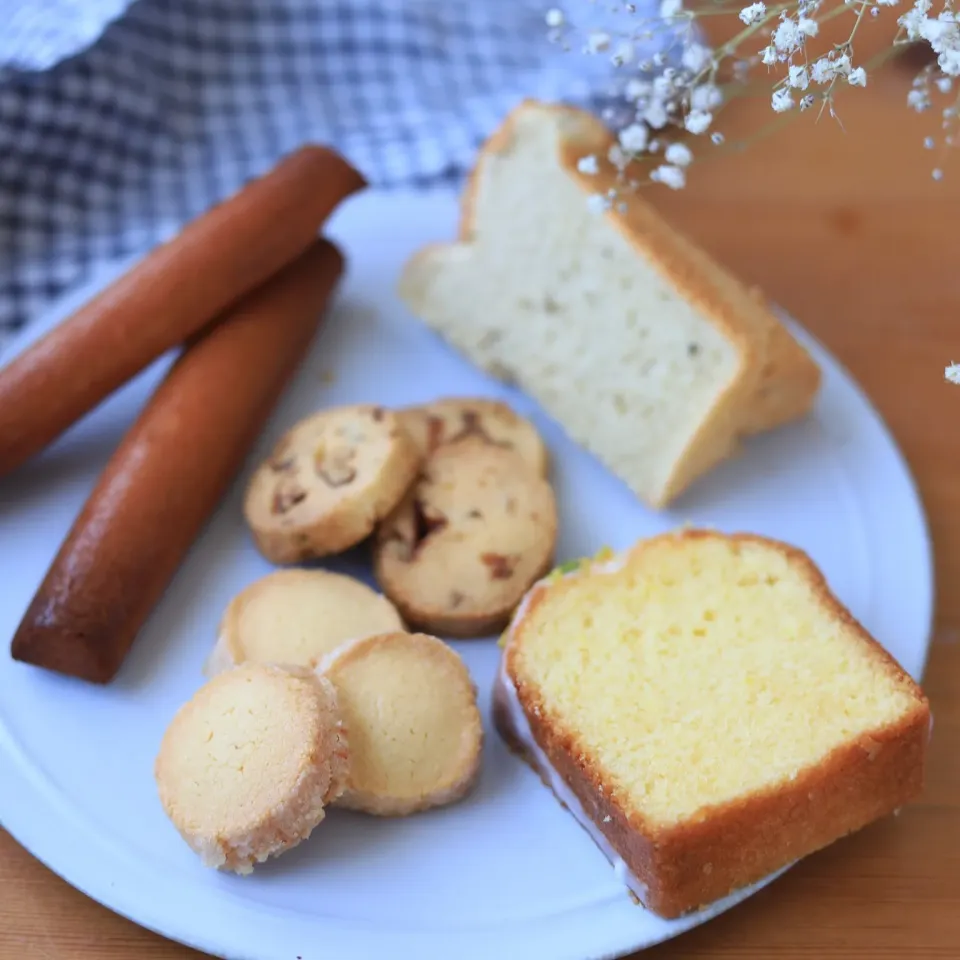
[647,352]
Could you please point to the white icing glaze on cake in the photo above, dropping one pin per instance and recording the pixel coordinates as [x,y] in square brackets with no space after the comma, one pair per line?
[521,730]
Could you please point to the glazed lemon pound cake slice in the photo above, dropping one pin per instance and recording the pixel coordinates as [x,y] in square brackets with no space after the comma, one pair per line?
[708,711]
[648,353]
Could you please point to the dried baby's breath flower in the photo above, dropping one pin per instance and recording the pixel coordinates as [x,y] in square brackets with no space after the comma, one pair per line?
[753,13]
[782,100]
[797,77]
[598,41]
[919,100]
[634,138]
[697,121]
[857,77]
[624,53]
[696,57]
[669,175]
[706,97]
[678,154]
[655,115]
[588,165]
[555,18]
[598,203]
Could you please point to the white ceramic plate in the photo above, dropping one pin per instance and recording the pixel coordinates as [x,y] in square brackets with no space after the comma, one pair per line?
[505,874]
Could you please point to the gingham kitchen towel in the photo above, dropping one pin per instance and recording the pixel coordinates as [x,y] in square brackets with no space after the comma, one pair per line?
[120,121]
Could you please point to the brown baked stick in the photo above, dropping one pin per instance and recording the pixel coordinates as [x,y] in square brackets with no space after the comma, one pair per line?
[169,473]
[175,291]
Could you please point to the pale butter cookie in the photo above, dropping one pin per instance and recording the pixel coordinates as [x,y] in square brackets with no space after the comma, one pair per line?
[330,479]
[453,419]
[248,765]
[477,529]
[415,729]
[296,617]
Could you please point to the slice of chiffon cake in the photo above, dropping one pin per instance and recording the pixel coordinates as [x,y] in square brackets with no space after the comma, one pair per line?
[708,710]
[646,351]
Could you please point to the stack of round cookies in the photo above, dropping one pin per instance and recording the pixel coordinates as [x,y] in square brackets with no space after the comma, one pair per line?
[318,694]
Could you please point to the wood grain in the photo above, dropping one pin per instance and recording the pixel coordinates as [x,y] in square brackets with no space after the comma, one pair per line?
[849,232]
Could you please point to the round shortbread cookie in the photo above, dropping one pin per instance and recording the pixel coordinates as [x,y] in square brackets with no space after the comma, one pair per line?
[453,419]
[459,552]
[328,482]
[296,617]
[247,766]
[415,729]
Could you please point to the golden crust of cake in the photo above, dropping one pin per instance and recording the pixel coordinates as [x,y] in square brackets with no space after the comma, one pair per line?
[247,766]
[720,750]
[451,420]
[296,617]
[331,478]
[474,532]
[415,730]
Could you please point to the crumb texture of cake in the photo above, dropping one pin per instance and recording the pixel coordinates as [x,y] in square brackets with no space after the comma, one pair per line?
[415,729]
[648,353]
[248,765]
[714,708]
[298,616]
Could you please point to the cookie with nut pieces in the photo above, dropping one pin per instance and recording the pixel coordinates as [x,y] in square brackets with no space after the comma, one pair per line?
[328,482]
[459,552]
[451,420]
[248,766]
[296,617]
[415,729]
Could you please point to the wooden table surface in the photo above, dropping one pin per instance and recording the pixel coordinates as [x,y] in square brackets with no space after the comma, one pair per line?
[849,232]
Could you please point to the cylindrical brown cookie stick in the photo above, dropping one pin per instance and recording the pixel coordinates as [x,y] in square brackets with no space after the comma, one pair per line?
[169,473]
[174,292]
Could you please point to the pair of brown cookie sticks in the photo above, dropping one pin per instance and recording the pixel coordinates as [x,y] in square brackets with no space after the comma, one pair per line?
[243,288]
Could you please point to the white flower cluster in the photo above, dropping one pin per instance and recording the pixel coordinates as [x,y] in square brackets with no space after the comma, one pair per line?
[667,100]
[675,95]
[941,32]
[786,46]
[952,373]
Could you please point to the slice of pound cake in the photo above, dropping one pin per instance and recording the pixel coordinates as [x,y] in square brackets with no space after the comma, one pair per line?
[650,355]
[709,712]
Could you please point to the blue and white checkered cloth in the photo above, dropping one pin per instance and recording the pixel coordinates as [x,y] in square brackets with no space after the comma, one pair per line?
[120,121]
